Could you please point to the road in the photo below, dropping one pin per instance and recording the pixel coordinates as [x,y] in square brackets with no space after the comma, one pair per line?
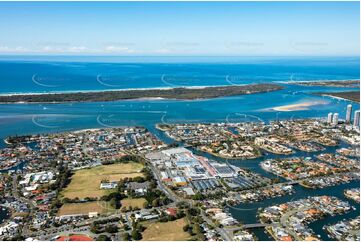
[167,191]
[49,233]
[285,218]
[24,200]
[18,197]
[223,232]
[225,235]
[250,226]
[79,227]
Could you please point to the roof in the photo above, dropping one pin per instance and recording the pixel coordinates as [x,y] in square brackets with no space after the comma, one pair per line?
[189,191]
[171,211]
[174,151]
[138,185]
[286,238]
[179,179]
[78,237]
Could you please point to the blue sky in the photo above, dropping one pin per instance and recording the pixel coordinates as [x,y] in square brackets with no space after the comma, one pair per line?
[180,28]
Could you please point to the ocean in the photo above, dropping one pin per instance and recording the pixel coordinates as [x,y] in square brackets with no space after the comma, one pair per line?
[71,74]
[60,74]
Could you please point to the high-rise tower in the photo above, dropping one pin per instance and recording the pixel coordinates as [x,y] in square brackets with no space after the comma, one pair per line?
[348,113]
[329,118]
[335,119]
[356,119]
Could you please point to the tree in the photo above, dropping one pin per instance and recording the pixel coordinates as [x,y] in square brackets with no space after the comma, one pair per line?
[171,218]
[126,237]
[113,202]
[123,210]
[155,202]
[126,227]
[180,214]
[198,196]
[193,211]
[136,235]
[103,237]
[94,228]
[140,227]
[182,204]
[138,179]
[201,237]
[145,204]
[111,229]
[197,228]
[186,228]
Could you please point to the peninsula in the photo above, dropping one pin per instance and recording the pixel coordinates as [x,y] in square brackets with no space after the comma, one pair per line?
[351,95]
[338,83]
[172,93]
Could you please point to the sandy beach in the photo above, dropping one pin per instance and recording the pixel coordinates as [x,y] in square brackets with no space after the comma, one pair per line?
[299,106]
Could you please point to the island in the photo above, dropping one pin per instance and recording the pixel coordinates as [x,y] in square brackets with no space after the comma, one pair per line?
[350,95]
[182,93]
[333,83]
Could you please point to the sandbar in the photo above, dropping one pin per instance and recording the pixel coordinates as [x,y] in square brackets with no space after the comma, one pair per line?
[299,106]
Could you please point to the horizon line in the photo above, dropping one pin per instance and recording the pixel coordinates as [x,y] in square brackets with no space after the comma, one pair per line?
[180,55]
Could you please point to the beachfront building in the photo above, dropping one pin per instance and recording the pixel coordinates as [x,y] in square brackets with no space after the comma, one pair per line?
[356,120]
[348,113]
[335,119]
[329,118]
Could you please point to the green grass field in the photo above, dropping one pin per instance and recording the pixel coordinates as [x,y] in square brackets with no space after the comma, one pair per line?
[169,231]
[85,208]
[85,183]
[134,202]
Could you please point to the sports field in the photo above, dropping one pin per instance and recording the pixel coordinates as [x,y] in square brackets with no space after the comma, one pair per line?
[134,202]
[85,183]
[171,231]
[84,208]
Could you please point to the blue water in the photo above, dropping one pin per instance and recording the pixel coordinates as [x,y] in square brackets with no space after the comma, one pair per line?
[58,74]
[76,73]
[4,214]
[39,118]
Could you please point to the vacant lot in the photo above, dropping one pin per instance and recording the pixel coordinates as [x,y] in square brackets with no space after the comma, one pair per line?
[134,202]
[85,183]
[171,231]
[82,208]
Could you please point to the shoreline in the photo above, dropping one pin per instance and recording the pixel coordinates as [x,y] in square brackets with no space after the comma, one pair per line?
[134,99]
[194,93]
[352,96]
[316,82]
[227,158]
[334,97]
[324,83]
[112,90]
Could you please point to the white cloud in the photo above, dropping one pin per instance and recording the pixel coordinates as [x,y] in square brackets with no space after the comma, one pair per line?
[17,49]
[77,49]
[163,51]
[4,48]
[52,49]
[113,48]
